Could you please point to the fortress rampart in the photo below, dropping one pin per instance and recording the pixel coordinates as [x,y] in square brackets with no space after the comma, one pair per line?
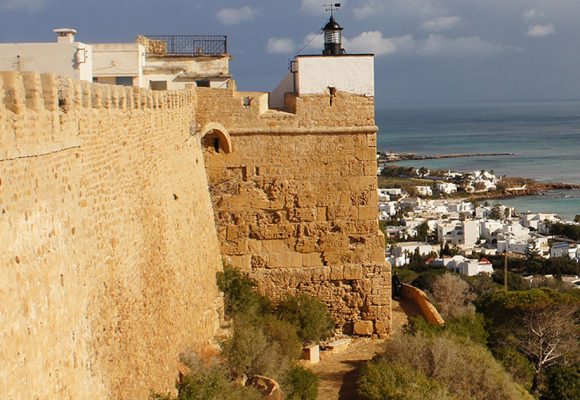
[112,238]
[109,250]
[295,198]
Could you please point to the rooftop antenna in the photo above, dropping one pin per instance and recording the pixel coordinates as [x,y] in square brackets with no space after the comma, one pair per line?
[332,8]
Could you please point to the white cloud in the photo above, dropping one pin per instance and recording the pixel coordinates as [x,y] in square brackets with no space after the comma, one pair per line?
[313,41]
[234,16]
[441,24]
[29,5]
[374,42]
[532,13]
[368,9]
[373,8]
[432,46]
[280,46]
[474,46]
[541,30]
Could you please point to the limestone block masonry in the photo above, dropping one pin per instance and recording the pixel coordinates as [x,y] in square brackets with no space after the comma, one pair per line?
[295,198]
[108,244]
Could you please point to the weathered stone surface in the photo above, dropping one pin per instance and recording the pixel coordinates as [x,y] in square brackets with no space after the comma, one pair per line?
[269,388]
[108,249]
[311,353]
[363,328]
[338,346]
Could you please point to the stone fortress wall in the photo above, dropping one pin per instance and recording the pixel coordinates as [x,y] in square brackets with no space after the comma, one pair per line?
[295,198]
[109,250]
[108,229]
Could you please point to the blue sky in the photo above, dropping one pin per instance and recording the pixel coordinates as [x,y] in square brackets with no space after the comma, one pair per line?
[427,51]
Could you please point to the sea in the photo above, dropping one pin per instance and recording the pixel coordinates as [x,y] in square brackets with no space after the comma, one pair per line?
[543,136]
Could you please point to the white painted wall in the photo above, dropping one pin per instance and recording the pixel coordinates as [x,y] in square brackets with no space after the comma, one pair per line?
[119,59]
[277,95]
[66,59]
[351,74]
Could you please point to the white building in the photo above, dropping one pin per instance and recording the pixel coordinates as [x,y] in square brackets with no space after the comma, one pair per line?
[424,190]
[65,57]
[511,245]
[559,249]
[383,195]
[461,207]
[409,248]
[490,228]
[470,267]
[460,233]
[535,220]
[396,192]
[387,210]
[446,187]
[316,74]
[170,62]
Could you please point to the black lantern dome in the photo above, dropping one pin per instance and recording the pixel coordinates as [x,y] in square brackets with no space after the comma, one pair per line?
[332,38]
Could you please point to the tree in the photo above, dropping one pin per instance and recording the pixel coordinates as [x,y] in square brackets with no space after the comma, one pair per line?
[564,383]
[540,323]
[452,296]
[423,232]
[577,218]
[547,337]
[532,251]
[496,212]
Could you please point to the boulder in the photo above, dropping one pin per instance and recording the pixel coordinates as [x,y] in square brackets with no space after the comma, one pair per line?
[269,388]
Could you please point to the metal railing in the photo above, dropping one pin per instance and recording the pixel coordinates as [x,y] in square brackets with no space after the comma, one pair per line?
[192,44]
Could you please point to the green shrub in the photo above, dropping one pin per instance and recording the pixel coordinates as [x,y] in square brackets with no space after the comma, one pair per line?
[381,380]
[519,367]
[309,315]
[471,327]
[240,295]
[210,384]
[300,384]
[468,371]
[426,279]
[563,383]
[268,347]
[407,275]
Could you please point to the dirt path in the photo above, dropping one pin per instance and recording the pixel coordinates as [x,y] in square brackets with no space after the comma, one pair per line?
[338,372]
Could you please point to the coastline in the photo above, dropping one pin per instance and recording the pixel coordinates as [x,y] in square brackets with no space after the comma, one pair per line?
[535,196]
[537,189]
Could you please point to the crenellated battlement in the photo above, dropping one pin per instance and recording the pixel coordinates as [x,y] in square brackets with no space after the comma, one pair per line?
[39,113]
[22,92]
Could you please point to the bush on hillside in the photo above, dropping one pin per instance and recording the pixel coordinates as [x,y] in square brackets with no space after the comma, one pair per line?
[452,296]
[381,380]
[240,293]
[266,347]
[300,384]
[210,383]
[470,327]
[309,315]
[426,279]
[467,370]
[514,362]
[407,275]
[563,383]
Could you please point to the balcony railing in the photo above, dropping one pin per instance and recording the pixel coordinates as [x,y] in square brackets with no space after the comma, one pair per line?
[189,44]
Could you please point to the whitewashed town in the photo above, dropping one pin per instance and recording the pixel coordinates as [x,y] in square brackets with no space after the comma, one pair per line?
[462,235]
